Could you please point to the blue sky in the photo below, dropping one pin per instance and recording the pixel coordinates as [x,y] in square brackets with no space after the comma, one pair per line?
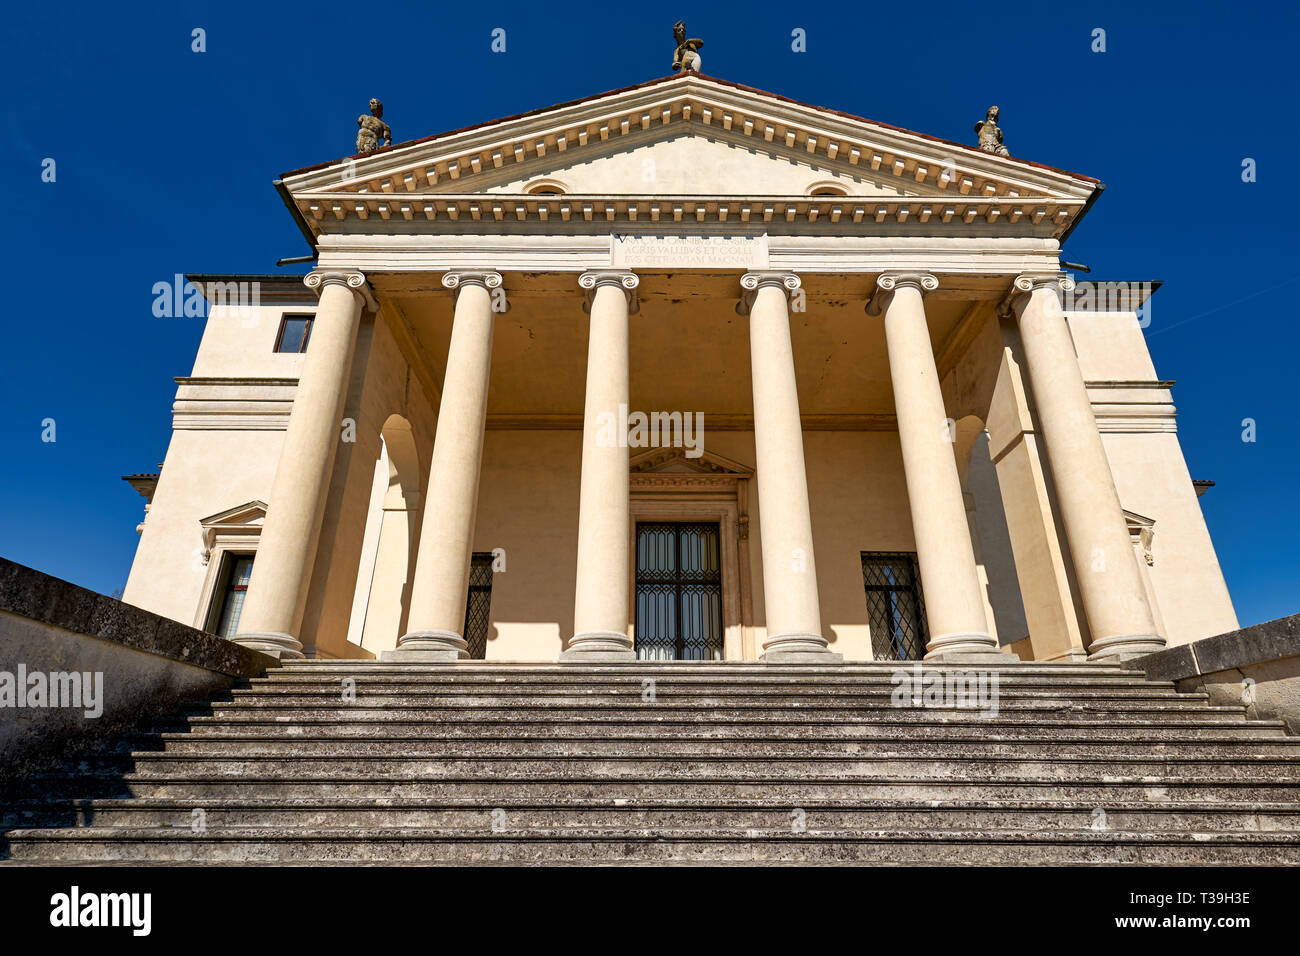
[165,159]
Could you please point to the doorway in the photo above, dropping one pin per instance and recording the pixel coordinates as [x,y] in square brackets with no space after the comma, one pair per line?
[678,591]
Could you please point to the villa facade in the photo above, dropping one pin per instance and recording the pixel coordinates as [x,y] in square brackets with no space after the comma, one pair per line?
[685,371]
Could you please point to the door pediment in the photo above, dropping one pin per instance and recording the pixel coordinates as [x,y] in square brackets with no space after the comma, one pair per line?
[669,470]
[674,461]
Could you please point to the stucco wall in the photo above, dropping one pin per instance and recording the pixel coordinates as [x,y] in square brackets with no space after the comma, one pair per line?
[528,501]
[1151,474]
[205,472]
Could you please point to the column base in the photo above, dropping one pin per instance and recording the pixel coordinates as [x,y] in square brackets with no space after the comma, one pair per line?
[1125,647]
[598,647]
[283,647]
[974,647]
[799,649]
[437,647]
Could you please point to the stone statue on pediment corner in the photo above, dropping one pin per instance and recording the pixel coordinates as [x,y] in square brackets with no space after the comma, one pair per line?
[373,129]
[990,134]
[686,59]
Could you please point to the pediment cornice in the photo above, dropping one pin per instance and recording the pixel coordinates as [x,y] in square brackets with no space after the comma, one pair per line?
[672,460]
[446,177]
[241,523]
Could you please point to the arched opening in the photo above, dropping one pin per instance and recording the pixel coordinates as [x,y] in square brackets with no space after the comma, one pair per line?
[827,188]
[546,187]
[382,599]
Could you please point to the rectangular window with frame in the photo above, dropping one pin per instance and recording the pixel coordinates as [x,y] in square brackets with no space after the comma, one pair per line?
[478,605]
[228,601]
[678,591]
[295,332]
[895,606]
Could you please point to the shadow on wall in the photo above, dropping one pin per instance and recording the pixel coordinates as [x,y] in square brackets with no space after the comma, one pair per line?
[79,670]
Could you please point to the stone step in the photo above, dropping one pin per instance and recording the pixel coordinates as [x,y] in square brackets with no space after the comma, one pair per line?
[776,748]
[580,767]
[705,789]
[718,697]
[623,845]
[687,766]
[599,712]
[570,709]
[695,683]
[474,816]
[940,729]
[746,669]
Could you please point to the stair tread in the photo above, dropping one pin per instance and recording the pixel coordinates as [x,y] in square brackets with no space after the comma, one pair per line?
[707,771]
[449,834]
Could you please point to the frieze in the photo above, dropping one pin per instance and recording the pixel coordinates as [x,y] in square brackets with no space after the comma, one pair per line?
[688,252]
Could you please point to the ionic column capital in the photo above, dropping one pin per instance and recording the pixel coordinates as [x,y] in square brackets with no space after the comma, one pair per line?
[887,283]
[751,282]
[487,279]
[466,277]
[589,282]
[1025,283]
[354,282]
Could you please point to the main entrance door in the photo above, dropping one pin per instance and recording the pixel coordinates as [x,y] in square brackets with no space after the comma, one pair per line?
[678,592]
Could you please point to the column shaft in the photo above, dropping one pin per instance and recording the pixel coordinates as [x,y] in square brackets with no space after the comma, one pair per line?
[1110,582]
[600,610]
[954,603]
[437,615]
[286,551]
[790,598]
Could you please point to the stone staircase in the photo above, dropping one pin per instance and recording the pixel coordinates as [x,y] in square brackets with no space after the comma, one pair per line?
[368,762]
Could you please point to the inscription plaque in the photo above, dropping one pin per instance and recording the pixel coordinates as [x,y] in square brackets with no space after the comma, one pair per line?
[688,252]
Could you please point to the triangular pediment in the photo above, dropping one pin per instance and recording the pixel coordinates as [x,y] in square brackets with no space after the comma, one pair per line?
[691,160]
[242,522]
[676,461]
[250,513]
[683,136]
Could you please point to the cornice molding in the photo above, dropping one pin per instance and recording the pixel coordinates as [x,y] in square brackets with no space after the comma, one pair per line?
[718,422]
[575,210]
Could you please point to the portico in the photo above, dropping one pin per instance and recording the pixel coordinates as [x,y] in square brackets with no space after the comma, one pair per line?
[873,327]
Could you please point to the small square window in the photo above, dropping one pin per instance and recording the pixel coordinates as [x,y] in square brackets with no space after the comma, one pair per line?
[295,331]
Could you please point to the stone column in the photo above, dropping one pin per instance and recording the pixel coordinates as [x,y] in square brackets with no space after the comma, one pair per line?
[954,600]
[1110,582]
[441,582]
[793,612]
[286,550]
[600,610]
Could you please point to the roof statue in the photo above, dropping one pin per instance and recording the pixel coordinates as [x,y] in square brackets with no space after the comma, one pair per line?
[687,56]
[990,134]
[372,129]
